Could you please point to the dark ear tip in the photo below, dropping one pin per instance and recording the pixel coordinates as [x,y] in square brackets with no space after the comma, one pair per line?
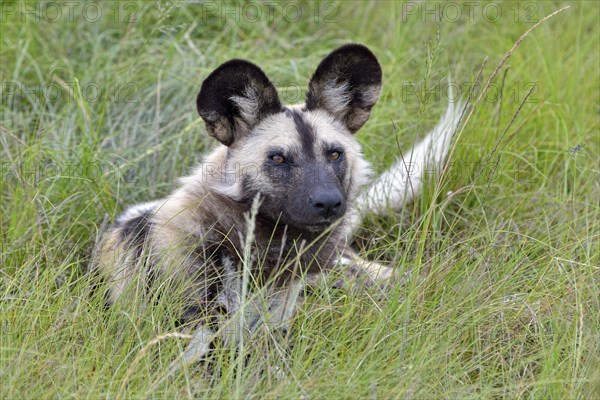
[236,65]
[353,58]
[355,49]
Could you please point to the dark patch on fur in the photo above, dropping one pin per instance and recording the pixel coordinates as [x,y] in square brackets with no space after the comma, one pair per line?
[280,175]
[97,283]
[340,167]
[135,230]
[306,134]
[190,313]
[152,276]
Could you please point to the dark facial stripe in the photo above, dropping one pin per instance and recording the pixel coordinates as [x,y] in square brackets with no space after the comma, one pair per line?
[305,132]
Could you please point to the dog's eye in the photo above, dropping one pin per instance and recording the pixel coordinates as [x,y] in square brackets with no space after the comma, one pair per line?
[278,158]
[334,155]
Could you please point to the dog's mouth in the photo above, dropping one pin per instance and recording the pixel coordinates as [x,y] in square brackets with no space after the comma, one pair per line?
[301,220]
[312,226]
[318,227]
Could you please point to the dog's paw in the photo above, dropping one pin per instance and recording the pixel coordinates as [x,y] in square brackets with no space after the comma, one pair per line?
[359,268]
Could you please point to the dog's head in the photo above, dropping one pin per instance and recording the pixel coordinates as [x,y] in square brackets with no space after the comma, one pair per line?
[302,159]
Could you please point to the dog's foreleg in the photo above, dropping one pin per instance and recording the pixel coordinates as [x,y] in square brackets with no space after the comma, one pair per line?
[356,265]
[350,268]
[199,346]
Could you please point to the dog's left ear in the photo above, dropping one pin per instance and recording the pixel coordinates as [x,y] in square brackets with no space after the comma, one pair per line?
[346,84]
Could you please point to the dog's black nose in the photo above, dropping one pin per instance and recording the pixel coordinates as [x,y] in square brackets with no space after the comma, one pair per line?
[328,203]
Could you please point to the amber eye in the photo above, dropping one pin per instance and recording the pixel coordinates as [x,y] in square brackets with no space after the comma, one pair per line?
[278,158]
[334,155]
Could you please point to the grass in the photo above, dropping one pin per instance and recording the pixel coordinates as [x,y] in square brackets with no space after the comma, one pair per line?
[501,291]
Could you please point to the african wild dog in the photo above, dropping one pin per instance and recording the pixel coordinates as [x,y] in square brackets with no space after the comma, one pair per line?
[274,204]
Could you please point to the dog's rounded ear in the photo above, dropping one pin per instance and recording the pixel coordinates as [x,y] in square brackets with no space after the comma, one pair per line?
[234,98]
[346,84]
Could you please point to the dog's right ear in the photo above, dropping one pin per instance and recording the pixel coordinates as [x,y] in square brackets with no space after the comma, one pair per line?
[234,98]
